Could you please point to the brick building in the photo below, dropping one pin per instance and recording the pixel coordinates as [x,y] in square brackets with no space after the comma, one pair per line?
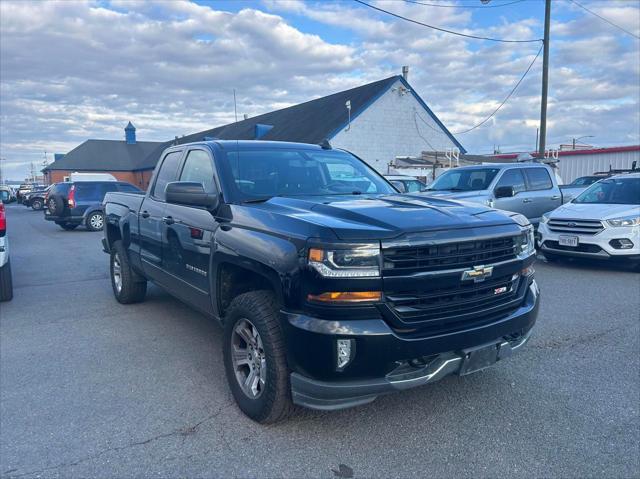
[129,160]
[377,121]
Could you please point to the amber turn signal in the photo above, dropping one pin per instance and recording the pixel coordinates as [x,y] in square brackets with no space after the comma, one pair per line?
[316,255]
[345,297]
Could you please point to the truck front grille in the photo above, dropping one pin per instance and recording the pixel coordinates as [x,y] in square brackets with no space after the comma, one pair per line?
[466,254]
[454,304]
[583,227]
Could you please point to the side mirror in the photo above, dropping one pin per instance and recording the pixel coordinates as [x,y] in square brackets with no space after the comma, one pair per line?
[504,192]
[190,193]
[399,186]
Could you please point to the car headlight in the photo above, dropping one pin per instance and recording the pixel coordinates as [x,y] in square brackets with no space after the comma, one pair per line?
[545,218]
[624,221]
[525,243]
[346,263]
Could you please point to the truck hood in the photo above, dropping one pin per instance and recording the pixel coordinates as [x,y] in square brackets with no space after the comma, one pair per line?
[380,217]
[590,211]
[478,195]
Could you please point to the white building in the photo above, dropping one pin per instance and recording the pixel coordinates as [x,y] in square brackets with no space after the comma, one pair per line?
[377,121]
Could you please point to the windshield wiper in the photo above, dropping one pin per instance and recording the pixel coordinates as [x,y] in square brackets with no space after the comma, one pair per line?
[257,200]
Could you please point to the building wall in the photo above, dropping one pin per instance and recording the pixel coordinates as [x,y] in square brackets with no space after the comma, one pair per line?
[574,166]
[390,127]
[139,178]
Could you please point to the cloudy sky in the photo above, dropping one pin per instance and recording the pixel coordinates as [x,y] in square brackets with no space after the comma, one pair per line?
[73,70]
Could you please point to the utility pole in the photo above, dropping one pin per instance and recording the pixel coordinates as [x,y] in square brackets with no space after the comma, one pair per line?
[545,81]
[235,109]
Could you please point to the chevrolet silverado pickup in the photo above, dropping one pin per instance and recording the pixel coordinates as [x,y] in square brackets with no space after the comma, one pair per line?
[332,288]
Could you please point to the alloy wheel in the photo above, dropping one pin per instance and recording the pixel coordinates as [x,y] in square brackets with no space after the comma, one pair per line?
[96,222]
[248,358]
[117,272]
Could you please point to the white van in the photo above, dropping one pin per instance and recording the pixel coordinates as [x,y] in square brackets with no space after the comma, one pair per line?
[91,177]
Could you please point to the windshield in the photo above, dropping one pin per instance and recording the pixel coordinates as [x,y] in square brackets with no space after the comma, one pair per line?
[614,191]
[468,179]
[262,174]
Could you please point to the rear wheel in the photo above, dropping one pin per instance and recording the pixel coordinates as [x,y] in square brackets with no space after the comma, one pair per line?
[37,204]
[95,221]
[67,226]
[6,283]
[128,286]
[254,357]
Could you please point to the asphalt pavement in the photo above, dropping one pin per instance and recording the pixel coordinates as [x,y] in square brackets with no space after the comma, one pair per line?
[92,388]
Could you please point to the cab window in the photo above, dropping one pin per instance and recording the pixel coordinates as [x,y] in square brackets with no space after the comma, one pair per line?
[198,168]
[538,179]
[514,178]
[167,173]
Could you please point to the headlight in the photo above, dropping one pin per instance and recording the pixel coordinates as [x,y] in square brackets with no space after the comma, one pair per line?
[624,221]
[346,263]
[526,243]
[545,218]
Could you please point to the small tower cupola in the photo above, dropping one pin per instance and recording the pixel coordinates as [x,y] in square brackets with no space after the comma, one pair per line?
[130,134]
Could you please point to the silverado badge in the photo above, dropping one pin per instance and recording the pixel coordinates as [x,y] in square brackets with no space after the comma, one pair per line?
[478,273]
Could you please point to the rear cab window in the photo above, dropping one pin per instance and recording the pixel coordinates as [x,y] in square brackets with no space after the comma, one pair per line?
[538,179]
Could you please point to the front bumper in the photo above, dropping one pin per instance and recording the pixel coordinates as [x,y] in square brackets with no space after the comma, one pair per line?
[596,246]
[408,362]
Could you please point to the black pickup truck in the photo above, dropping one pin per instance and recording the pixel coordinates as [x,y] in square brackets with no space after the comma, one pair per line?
[332,288]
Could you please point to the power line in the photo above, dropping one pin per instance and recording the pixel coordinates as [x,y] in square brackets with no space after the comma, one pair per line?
[463,6]
[605,20]
[499,106]
[444,29]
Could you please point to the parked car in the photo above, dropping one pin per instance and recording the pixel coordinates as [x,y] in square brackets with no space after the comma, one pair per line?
[6,194]
[585,181]
[71,204]
[530,189]
[6,284]
[25,188]
[601,223]
[36,198]
[329,296]
[406,183]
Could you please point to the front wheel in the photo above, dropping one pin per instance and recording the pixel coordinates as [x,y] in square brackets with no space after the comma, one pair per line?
[95,221]
[128,286]
[254,357]
[37,205]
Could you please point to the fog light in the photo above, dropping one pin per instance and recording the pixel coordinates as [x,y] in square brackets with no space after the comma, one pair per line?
[345,350]
[622,243]
[528,271]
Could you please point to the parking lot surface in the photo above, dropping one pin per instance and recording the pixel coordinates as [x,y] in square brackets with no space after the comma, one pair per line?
[90,387]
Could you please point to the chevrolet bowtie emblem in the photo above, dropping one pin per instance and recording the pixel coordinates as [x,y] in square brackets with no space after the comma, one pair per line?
[478,273]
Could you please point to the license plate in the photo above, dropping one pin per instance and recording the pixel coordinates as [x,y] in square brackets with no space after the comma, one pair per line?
[478,358]
[568,241]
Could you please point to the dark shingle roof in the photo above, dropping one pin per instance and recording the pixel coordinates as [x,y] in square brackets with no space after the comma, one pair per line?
[308,122]
[110,155]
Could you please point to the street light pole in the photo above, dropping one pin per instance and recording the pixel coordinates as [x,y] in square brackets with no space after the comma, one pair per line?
[580,138]
[545,80]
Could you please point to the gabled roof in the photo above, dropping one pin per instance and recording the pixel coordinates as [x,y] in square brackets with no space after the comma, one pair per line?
[115,155]
[314,120]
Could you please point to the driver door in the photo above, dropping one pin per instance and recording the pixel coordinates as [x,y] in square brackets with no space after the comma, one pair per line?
[514,178]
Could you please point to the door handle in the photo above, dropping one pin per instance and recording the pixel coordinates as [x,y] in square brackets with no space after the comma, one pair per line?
[527,200]
[145,214]
[555,197]
[168,220]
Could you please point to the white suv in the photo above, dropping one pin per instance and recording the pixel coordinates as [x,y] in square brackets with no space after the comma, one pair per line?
[6,287]
[603,222]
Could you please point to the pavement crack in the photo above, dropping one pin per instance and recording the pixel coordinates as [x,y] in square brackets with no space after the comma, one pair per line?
[183,432]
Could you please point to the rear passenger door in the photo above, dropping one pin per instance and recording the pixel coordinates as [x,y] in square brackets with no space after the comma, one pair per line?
[151,215]
[188,232]
[542,195]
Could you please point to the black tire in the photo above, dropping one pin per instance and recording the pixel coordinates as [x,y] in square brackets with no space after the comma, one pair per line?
[133,287]
[6,283]
[55,205]
[274,403]
[95,221]
[67,226]
[37,204]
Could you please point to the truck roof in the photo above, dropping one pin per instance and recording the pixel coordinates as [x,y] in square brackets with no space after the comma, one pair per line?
[253,144]
[528,164]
